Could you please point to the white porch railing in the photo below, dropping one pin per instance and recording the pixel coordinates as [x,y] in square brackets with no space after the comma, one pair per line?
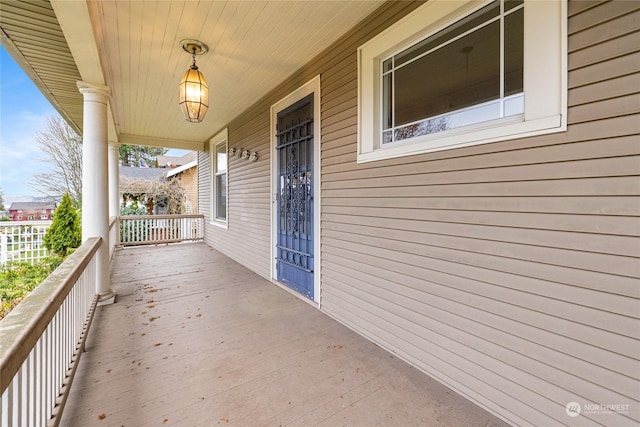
[158,229]
[23,240]
[42,339]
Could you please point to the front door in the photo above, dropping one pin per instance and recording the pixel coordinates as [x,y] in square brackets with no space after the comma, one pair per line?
[294,148]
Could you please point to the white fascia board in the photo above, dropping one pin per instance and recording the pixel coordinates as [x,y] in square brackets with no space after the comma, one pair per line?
[182,168]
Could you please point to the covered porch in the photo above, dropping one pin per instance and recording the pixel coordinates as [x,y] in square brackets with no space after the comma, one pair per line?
[197,339]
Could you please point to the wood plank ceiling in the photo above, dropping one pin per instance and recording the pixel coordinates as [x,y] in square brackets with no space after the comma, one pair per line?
[253,46]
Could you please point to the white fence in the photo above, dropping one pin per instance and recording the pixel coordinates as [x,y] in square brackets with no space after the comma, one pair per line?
[42,339]
[23,241]
[157,229]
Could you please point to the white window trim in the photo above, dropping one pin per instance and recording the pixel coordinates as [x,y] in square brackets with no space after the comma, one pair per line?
[545,79]
[222,136]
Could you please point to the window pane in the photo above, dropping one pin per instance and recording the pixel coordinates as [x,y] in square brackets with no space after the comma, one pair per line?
[514,105]
[387,101]
[424,127]
[461,74]
[221,196]
[386,65]
[510,4]
[513,52]
[387,137]
[221,157]
[483,15]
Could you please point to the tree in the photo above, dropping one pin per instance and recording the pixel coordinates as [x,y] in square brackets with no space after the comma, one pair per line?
[1,200]
[139,156]
[169,192]
[64,232]
[63,147]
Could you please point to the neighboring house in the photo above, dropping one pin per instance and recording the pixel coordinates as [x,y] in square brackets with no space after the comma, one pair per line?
[139,185]
[31,211]
[175,161]
[187,176]
[142,184]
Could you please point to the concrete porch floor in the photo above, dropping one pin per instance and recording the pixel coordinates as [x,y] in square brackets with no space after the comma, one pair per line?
[195,339]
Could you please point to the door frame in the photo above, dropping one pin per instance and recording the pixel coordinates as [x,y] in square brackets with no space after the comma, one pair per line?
[311,87]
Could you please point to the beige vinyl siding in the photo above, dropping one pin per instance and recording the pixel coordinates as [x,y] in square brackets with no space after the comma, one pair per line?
[248,236]
[508,271]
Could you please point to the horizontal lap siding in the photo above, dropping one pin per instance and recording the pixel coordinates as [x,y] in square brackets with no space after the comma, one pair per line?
[508,271]
[248,237]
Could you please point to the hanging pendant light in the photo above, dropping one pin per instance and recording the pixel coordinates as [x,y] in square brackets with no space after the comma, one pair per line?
[193,92]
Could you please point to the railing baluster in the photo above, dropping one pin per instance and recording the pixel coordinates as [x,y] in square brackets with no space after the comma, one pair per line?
[28,374]
[3,411]
[38,365]
[48,361]
[26,392]
[158,229]
[11,406]
[38,389]
[18,396]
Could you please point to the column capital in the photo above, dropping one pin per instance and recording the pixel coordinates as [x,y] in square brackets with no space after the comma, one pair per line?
[88,88]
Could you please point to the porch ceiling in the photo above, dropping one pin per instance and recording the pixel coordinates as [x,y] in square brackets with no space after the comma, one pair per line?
[133,47]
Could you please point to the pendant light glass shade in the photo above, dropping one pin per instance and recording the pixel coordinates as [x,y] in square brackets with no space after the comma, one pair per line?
[193,94]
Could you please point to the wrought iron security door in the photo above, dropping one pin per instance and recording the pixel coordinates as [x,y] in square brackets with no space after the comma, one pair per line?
[295,196]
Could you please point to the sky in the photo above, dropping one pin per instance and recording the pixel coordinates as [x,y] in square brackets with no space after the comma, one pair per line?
[24,112]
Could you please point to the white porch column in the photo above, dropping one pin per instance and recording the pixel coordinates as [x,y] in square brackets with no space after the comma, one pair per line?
[95,194]
[114,180]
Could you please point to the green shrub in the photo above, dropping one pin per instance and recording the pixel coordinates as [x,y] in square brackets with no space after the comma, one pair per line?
[64,232]
[134,209]
[18,279]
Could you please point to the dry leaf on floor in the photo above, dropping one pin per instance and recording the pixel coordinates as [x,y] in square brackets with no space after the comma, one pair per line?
[102,416]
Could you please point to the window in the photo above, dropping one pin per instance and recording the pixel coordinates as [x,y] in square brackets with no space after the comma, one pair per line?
[219,173]
[454,74]
[221,181]
[44,216]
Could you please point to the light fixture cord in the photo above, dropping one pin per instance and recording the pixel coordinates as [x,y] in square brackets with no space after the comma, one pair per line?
[193,55]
